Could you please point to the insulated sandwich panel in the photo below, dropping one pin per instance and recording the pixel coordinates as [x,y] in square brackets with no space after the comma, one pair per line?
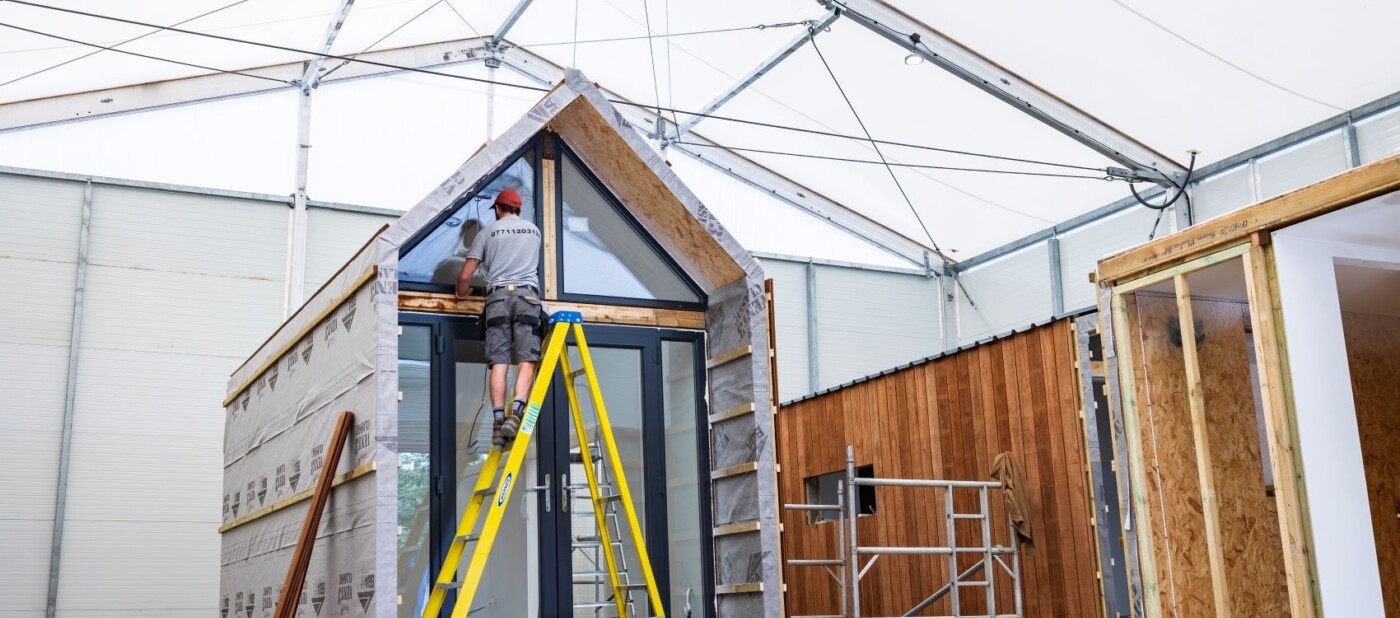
[1011,292]
[870,321]
[41,218]
[185,233]
[790,303]
[1080,250]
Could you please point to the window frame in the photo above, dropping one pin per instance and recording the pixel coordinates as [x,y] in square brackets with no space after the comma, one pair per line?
[562,151]
[459,202]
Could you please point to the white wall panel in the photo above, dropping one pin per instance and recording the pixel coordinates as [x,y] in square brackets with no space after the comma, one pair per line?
[181,313]
[1378,137]
[27,488]
[152,393]
[1081,249]
[25,569]
[870,321]
[790,300]
[1011,292]
[32,383]
[188,233]
[1301,165]
[1227,191]
[36,306]
[333,237]
[118,477]
[39,218]
[118,568]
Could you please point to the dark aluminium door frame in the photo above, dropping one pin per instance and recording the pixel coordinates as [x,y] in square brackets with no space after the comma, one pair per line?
[556,582]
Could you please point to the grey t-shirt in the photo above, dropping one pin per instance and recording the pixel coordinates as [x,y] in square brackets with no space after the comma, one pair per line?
[509,250]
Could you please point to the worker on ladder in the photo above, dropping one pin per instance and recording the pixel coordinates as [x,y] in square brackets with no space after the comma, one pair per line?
[509,250]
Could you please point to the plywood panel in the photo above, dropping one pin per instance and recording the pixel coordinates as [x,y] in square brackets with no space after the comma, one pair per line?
[1373,355]
[1248,517]
[947,419]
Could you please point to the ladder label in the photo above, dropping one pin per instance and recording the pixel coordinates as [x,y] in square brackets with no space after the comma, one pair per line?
[532,414]
[505,489]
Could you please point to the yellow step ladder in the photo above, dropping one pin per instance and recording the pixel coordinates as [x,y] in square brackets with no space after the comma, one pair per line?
[493,491]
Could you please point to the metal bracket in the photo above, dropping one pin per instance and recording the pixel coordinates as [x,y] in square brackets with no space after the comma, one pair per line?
[1167,180]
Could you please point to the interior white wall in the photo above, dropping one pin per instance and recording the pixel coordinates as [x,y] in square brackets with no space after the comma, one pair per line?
[1328,438]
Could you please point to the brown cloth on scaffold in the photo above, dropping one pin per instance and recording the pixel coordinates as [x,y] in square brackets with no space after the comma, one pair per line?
[1006,469]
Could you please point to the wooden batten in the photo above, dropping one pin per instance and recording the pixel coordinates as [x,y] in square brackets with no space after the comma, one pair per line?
[1345,189]
[1196,399]
[551,228]
[1269,350]
[432,302]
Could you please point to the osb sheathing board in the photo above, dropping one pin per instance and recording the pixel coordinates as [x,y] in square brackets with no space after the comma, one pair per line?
[947,419]
[1248,517]
[1373,356]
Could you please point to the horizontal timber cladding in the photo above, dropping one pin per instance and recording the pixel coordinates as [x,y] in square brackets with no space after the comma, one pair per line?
[947,419]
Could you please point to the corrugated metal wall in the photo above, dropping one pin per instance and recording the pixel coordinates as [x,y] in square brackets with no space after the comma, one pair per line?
[180,289]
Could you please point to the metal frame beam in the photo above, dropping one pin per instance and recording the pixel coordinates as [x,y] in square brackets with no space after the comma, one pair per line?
[745,170]
[509,23]
[61,109]
[296,232]
[69,403]
[159,95]
[814,27]
[978,70]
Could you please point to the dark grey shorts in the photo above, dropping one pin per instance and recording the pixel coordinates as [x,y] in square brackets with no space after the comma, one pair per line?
[512,319]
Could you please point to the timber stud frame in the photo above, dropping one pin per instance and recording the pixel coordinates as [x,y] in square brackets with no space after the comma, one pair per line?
[1243,234]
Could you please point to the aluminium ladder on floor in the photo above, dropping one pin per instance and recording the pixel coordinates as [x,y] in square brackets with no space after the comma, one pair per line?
[496,482]
[990,555]
[589,544]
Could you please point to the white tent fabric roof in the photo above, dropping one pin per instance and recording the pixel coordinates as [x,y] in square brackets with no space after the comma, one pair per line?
[1219,78]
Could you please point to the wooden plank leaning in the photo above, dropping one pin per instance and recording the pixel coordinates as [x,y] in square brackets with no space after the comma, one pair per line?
[301,556]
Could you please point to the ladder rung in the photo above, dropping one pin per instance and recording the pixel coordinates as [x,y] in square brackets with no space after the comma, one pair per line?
[449,585]
[822,616]
[575,373]
[968,516]
[610,498]
[484,492]
[633,586]
[598,605]
[586,544]
[966,584]
[468,538]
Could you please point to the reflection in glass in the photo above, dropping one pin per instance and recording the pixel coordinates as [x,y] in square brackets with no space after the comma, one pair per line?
[603,254]
[439,257]
[620,379]
[678,390]
[413,545]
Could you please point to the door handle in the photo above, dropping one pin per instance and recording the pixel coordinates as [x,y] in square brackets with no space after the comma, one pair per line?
[542,490]
[566,493]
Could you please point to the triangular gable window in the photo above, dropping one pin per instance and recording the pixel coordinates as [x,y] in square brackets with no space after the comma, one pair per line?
[604,253]
[438,257]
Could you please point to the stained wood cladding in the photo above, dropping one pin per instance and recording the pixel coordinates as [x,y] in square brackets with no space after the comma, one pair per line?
[947,419]
[1373,356]
[1248,515]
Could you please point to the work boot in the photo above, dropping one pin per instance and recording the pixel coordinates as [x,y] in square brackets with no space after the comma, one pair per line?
[512,422]
[498,434]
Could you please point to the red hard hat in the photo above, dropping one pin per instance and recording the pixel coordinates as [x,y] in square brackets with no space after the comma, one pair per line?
[509,197]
